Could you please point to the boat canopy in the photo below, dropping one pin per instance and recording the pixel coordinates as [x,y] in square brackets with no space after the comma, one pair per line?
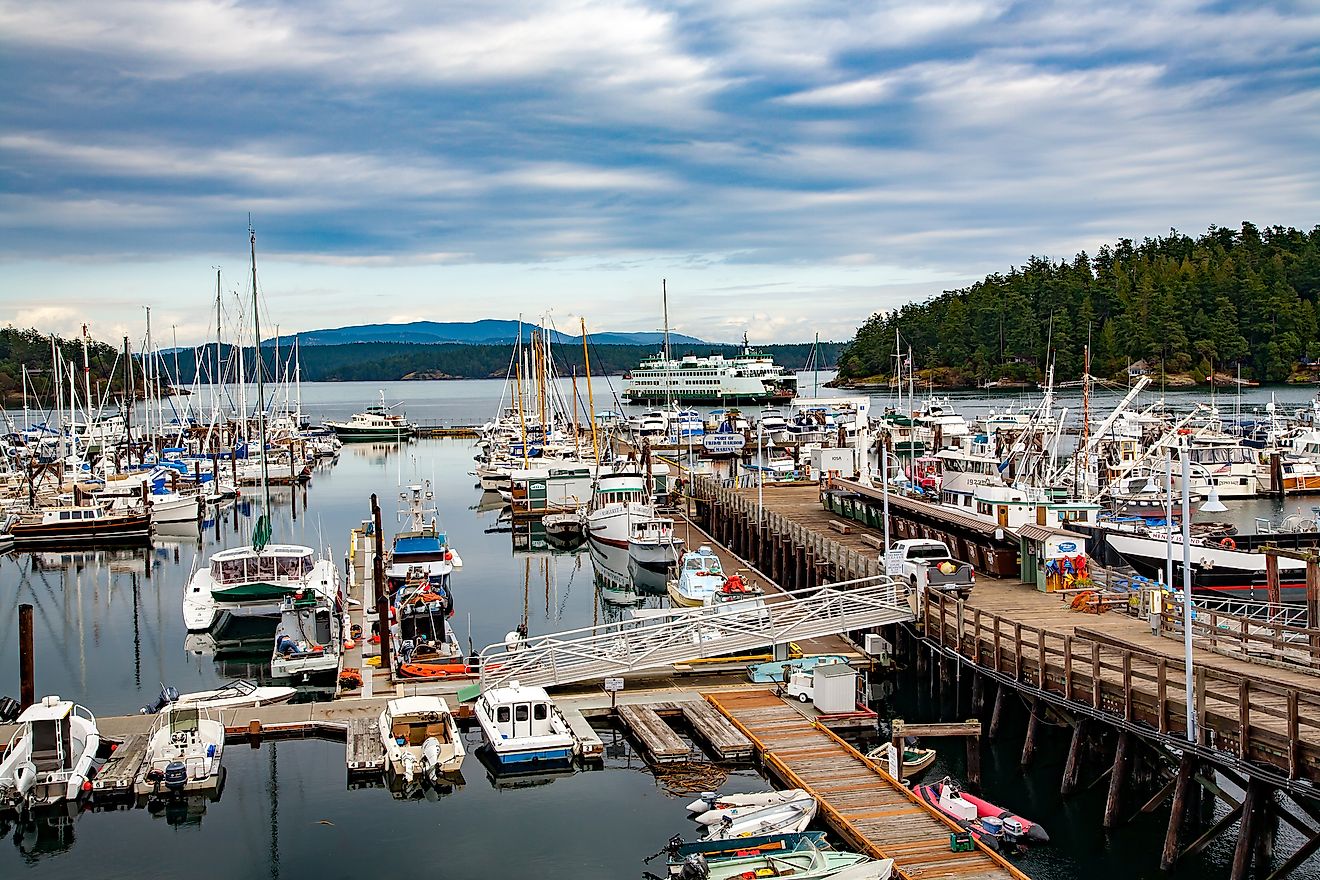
[281,562]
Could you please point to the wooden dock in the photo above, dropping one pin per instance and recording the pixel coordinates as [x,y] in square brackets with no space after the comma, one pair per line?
[364,753]
[658,739]
[118,773]
[870,810]
[646,722]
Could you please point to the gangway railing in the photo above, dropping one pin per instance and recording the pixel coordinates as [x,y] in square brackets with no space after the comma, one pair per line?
[697,633]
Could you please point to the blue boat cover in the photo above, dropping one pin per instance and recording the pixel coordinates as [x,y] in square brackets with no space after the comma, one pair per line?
[418,546]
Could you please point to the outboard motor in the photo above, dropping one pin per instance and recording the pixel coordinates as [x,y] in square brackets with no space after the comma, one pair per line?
[694,868]
[1014,832]
[176,775]
[431,756]
[710,799]
[167,695]
[9,709]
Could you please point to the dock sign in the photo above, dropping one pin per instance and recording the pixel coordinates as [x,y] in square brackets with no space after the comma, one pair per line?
[613,684]
[724,443]
[894,561]
[1068,547]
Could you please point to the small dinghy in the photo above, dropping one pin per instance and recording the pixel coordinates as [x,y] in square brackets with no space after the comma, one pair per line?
[184,749]
[806,863]
[565,526]
[773,671]
[915,759]
[993,826]
[52,757]
[785,818]
[420,736]
[711,801]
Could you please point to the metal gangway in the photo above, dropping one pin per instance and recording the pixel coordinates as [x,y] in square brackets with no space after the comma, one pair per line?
[680,634]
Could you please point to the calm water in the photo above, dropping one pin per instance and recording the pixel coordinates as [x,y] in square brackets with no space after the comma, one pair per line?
[108,631]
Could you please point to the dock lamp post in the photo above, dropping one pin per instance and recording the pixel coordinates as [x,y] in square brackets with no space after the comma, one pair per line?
[1185,454]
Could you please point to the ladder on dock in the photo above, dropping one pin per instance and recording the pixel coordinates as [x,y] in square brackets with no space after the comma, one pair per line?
[711,631]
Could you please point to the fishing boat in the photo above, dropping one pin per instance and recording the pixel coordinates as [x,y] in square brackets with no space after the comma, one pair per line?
[565,527]
[700,576]
[241,693]
[652,543]
[75,525]
[915,759]
[427,646]
[184,750]
[56,750]
[732,822]
[309,636]
[374,423]
[774,671]
[420,736]
[996,827]
[421,549]
[523,725]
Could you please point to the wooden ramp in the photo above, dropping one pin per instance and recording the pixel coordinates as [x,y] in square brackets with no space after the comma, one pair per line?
[119,771]
[862,803]
[662,745]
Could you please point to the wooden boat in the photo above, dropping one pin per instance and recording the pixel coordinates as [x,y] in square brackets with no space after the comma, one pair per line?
[55,752]
[80,524]
[184,750]
[420,736]
[915,760]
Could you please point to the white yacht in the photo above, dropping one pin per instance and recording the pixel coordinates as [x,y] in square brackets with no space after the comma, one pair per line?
[247,581]
[375,423]
[523,725]
[54,752]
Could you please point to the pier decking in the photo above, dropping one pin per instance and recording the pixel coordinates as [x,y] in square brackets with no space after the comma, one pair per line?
[863,804]
[646,722]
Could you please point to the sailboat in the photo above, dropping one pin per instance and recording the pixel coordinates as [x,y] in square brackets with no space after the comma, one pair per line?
[256,578]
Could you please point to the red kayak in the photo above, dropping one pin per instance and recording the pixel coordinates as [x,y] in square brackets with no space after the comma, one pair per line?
[992,825]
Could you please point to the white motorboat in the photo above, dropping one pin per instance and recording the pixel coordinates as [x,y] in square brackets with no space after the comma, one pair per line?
[184,749]
[247,581]
[523,725]
[420,736]
[375,423]
[172,507]
[242,693]
[785,818]
[712,801]
[53,754]
[309,636]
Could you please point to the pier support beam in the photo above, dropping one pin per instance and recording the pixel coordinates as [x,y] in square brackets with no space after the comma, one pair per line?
[1117,779]
[997,715]
[1182,785]
[1247,829]
[27,669]
[1033,730]
[1073,768]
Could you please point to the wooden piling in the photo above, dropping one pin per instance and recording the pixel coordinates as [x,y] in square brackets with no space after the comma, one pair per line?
[1033,730]
[1181,787]
[1117,779]
[1247,832]
[27,668]
[997,715]
[1073,768]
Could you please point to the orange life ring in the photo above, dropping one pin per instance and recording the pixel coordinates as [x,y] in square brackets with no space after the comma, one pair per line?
[1228,544]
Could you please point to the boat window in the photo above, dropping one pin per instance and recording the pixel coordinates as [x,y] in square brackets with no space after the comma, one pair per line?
[64,514]
[520,712]
[265,566]
[502,715]
[540,711]
[287,567]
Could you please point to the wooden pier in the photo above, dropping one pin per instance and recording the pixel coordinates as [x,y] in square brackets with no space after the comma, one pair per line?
[120,770]
[869,809]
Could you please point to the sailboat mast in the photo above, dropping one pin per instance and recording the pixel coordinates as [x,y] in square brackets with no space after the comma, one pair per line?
[664,306]
[87,379]
[522,419]
[591,401]
[215,380]
[261,388]
[577,452]
[815,362]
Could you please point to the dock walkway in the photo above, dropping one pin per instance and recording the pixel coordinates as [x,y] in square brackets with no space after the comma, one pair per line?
[863,804]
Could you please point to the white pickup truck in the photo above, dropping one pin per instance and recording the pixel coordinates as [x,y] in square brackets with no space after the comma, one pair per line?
[928,564]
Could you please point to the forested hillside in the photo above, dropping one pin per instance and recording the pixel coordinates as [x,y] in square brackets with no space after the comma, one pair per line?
[1232,297]
[32,348]
[377,361]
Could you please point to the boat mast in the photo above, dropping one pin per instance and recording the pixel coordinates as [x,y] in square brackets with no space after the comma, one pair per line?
[591,401]
[664,305]
[87,379]
[260,536]
[577,451]
[147,373]
[522,419]
[216,380]
[815,362]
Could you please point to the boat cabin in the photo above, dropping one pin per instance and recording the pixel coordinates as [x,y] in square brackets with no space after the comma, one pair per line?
[277,563]
[49,727]
[519,712]
[414,720]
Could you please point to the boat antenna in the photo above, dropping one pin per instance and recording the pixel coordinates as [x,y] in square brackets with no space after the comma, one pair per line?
[261,533]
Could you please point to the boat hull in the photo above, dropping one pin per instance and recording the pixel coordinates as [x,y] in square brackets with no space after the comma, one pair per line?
[119,530]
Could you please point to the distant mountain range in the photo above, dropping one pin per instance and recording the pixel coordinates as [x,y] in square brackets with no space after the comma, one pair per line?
[485,332]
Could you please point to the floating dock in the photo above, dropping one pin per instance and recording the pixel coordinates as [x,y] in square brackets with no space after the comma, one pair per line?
[869,809]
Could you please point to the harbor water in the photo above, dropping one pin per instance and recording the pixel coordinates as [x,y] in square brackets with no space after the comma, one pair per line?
[109,632]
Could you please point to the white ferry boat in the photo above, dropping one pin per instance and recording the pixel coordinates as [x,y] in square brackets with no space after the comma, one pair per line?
[748,377]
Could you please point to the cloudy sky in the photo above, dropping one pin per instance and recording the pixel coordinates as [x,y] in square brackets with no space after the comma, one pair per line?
[789,167]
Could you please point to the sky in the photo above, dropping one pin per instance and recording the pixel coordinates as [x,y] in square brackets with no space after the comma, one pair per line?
[788,168]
